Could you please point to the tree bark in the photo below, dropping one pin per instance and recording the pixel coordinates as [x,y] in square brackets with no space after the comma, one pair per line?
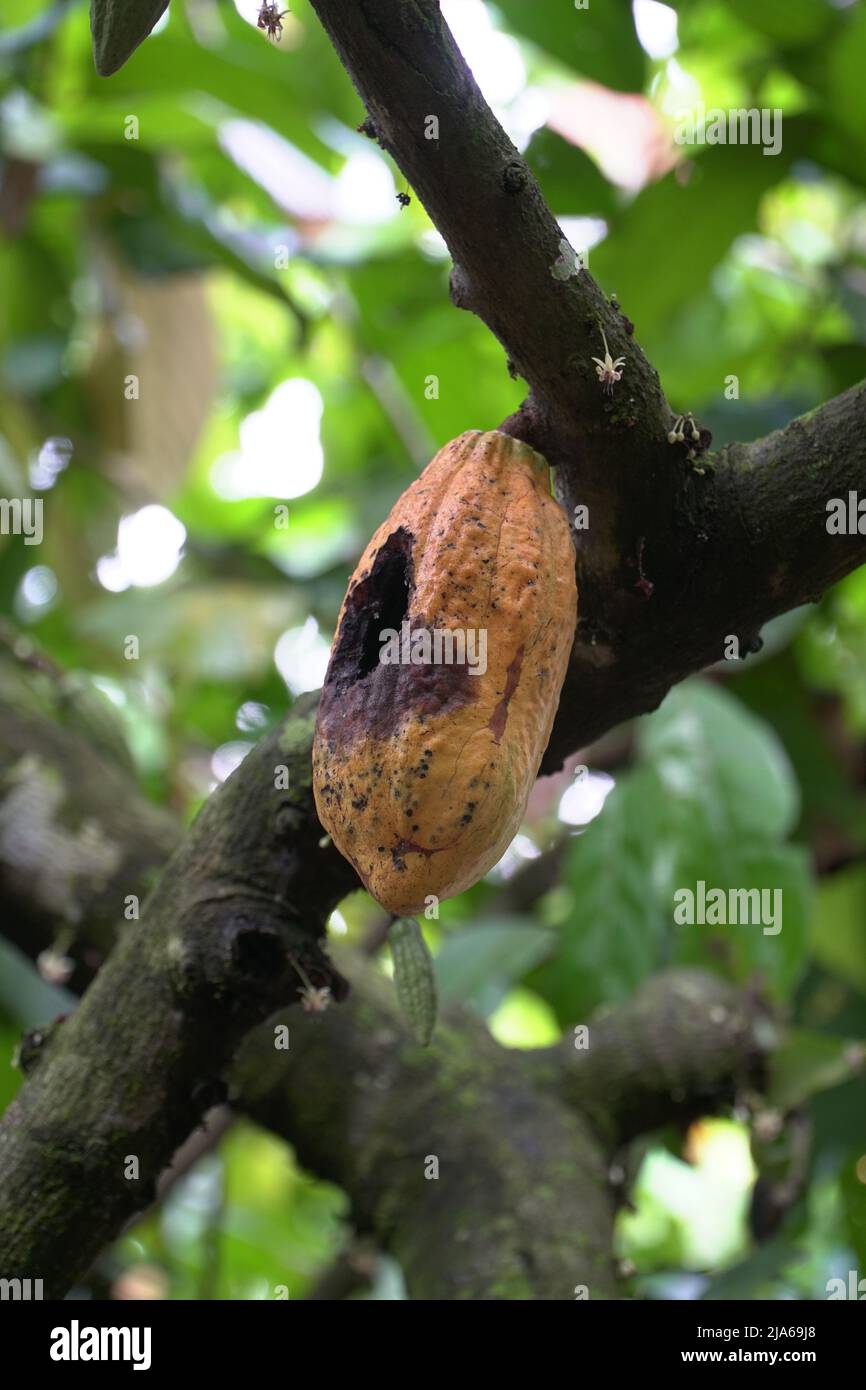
[230,933]
[679,554]
[521,1206]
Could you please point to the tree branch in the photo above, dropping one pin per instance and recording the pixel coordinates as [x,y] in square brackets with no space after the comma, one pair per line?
[521,1207]
[70,844]
[481,1184]
[673,560]
[228,935]
[685,1045]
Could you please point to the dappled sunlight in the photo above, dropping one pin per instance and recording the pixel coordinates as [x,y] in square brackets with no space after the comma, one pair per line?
[281,452]
[149,547]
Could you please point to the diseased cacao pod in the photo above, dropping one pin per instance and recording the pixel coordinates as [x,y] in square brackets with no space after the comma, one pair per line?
[422,767]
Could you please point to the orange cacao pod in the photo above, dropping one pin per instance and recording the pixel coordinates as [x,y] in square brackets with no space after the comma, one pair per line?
[422,767]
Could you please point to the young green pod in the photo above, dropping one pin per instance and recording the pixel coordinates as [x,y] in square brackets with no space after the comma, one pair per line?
[414,976]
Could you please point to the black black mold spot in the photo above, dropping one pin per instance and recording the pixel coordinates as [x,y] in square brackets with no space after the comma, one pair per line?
[379,600]
[362,698]
[257,954]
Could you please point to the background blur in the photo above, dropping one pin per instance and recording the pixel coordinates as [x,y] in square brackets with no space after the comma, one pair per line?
[212,305]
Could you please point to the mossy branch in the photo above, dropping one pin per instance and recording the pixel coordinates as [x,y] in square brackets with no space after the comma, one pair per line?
[229,934]
[521,1206]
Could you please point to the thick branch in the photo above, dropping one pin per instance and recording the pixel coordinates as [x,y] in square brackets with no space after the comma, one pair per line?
[483,1185]
[687,1044]
[127,1076]
[673,560]
[521,1206]
[505,242]
[740,547]
[71,844]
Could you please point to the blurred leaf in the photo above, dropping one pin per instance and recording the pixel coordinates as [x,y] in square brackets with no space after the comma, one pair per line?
[249,1216]
[597,41]
[845,89]
[754,1277]
[789,22]
[35,30]
[846,365]
[279,85]
[570,180]
[719,763]
[477,964]
[25,998]
[730,794]
[773,690]
[807,1063]
[407,320]
[771,949]
[662,248]
[215,631]
[853,1186]
[615,934]
[712,795]
[321,533]
[838,938]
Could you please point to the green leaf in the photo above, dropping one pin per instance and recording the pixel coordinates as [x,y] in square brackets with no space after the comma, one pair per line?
[282,87]
[25,997]
[713,795]
[118,27]
[730,795]
[807,1063]
[571,182]
[478,964]
[598,41]
[775,691]
[838,939]
[757,1277]
[845,364]
[771,944]
[720,763]
[662,249]
[854,1203]
[615,936]
[789,22]
[844,89]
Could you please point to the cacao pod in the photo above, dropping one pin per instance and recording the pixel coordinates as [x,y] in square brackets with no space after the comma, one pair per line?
[422,767]
[118,27]
[414,977]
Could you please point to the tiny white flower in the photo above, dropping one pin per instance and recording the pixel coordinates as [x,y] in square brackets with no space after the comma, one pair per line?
[315,1001]
[609,372]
